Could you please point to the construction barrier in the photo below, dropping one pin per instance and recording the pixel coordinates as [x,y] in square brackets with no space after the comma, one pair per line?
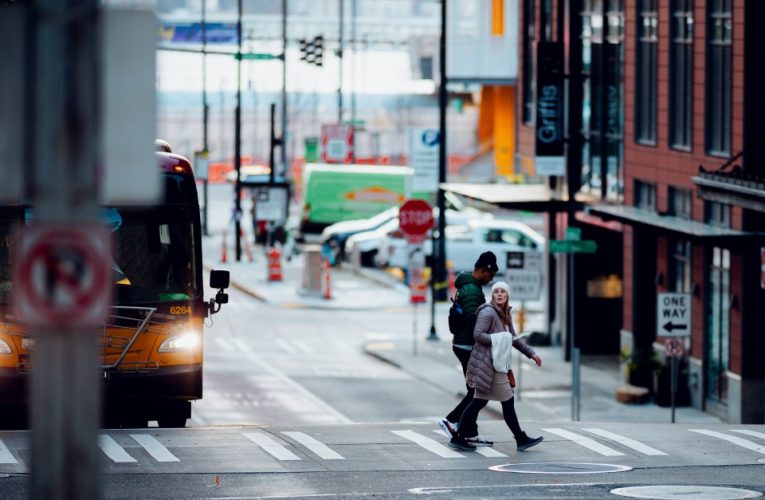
[452,285]
[274,264]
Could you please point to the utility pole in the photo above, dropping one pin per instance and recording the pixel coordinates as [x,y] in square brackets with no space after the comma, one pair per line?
[283,152]
[63,183]
[205,115]
[238,138]
[438,275]
[340,65]
[353,75]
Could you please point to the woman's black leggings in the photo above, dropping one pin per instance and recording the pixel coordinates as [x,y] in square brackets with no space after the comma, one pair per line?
[470,416]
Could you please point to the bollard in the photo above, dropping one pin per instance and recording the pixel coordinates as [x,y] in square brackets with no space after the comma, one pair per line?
[326,279]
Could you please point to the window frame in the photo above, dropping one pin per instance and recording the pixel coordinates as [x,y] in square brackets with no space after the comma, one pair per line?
[646,94]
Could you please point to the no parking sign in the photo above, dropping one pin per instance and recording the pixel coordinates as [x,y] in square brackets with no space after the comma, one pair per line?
[62,275]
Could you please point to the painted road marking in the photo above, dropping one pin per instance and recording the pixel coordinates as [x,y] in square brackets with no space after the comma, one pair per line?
[316,446]
[113,450]
[429,444]
[6,457]
[270,446]
[155,448]
[629,442]
[756,434]
[226,346]
[486,451]
[586,442]
[745,443]
[302,346]
[286,346]
[242,345]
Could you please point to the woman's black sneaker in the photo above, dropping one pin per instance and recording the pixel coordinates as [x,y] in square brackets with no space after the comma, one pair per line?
[527,442]
[459,443]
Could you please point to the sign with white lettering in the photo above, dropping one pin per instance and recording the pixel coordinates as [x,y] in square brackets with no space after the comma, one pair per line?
[673,314]
[549,144]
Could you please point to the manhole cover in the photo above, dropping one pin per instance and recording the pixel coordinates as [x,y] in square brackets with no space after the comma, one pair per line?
[671,492]
[559,468]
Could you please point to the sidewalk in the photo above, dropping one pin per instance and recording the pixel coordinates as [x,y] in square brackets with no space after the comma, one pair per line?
[545,393]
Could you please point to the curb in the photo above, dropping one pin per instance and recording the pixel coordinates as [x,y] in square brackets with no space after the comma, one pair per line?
[241,288]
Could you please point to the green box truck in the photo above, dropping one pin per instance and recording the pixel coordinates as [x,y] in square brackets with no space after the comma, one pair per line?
[334,193]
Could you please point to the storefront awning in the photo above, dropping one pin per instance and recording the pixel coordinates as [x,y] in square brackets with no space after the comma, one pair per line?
[671,224]
[530,197]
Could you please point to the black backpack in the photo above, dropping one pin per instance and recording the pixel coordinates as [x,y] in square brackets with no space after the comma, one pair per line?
[456,315]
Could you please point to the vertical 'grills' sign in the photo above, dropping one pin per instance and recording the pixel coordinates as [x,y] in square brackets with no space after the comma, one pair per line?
[549,118]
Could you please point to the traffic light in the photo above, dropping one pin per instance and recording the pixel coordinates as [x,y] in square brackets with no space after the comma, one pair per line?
[312,51]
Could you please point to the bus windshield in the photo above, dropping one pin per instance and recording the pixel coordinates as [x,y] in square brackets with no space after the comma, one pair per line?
[154,255]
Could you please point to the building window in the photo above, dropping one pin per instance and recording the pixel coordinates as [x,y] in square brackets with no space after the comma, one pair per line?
[603,110]
[681,74]
[680,266]
[719,74]
[645,195]
[680,202]
[717,214]
[718,326]
[645,85]
[529,56]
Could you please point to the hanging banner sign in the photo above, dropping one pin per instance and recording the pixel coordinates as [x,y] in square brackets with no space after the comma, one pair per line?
[549,140]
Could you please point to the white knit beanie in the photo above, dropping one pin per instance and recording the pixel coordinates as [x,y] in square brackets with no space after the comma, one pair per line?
[501,284]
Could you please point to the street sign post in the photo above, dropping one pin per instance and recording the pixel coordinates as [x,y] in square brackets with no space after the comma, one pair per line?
[573,246]
[673,347]
[673,314]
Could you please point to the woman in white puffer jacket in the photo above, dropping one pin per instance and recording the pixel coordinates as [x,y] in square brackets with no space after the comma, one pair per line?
[490,383]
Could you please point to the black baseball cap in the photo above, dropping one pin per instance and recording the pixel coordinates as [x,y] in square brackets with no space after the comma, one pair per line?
[488,261]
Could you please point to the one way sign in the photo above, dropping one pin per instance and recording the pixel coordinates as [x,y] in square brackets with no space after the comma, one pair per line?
[673,318]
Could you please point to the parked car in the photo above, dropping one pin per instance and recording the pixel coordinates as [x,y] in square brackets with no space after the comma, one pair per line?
[337,234]
[367,243]
[465,242]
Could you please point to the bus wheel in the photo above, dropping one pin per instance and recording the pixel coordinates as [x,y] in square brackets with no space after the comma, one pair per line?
[172,422]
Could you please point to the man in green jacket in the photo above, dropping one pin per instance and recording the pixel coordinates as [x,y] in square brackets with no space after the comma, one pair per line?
[470,296]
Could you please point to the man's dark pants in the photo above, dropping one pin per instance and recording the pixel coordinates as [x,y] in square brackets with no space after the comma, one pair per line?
[464,356]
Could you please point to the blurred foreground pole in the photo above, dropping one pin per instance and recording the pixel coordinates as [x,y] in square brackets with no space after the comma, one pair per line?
[205,118]
[438,284]
[64,187]
[283,151]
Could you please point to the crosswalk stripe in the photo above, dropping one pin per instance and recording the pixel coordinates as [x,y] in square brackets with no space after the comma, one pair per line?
[429,444]
[629,442]
[241,345]
[745,443]
[486,451]
[756,434]
[286,346]
[302,346]
[113,450]
[154,448]
[6,457]
[270,446]
[316,446]
[585,441]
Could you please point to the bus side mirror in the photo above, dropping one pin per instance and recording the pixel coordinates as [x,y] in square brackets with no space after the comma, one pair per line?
[219,279]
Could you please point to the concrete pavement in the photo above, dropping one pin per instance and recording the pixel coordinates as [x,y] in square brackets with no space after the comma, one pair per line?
[545,393]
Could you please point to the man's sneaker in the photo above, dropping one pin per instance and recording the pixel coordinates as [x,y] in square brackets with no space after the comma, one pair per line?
[527,442]
[479,441]
[450,429]
[458,443]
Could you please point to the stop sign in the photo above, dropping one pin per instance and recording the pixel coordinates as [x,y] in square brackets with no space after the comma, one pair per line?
[415,217]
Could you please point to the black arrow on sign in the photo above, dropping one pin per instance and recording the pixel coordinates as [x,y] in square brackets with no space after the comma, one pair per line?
[669,326]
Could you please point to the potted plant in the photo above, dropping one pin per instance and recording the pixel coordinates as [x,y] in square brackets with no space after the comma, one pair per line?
[641,365]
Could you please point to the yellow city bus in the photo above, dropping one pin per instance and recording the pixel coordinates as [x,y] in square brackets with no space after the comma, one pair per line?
[152,356]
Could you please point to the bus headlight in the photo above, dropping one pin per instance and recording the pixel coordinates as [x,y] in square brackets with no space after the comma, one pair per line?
[186,341]
[5,348]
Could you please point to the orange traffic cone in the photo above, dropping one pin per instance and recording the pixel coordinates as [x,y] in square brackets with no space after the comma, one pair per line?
[274,264]
[224,249]
[326,279]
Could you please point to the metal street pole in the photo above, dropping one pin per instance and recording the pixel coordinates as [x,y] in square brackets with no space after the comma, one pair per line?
[283,152]
[438,259]
[238,139]
[340,65]
[205,116]
[353,74]
[63,151]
